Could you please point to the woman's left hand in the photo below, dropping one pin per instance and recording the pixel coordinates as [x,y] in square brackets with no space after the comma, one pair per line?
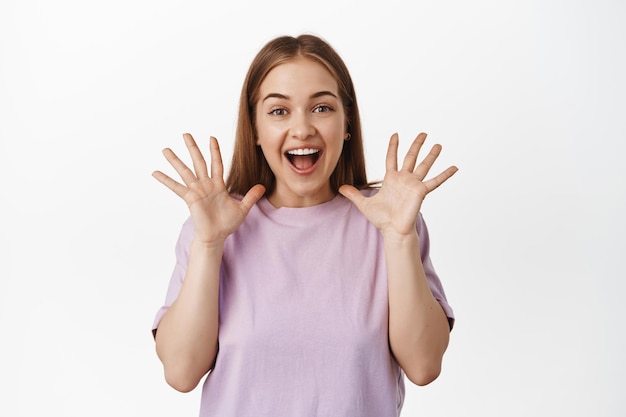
[395,207]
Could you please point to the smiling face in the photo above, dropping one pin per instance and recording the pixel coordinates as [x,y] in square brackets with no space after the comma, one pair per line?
[301,127]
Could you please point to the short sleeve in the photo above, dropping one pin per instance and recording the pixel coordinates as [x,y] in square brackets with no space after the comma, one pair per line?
[433,279]
[178,274]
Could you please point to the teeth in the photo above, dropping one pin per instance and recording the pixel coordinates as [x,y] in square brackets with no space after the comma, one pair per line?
[305,151]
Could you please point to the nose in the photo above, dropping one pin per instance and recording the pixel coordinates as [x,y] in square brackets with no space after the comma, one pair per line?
[301,127]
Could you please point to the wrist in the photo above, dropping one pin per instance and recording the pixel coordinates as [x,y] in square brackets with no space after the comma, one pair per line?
[211,245]
[394,238]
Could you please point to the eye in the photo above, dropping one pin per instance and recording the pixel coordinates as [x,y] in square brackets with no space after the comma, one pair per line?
[278,112]
[322,108]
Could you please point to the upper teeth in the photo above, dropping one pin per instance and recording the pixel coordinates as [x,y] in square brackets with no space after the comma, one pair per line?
[306,151]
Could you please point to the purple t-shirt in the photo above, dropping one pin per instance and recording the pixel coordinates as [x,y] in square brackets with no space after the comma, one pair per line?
[303,325]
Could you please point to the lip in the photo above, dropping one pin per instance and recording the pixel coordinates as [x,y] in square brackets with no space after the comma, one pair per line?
[309,170]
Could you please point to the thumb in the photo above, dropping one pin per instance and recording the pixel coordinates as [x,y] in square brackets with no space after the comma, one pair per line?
[252,196]
[352,194]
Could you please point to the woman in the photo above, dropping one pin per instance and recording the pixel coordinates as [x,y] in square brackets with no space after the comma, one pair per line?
[298,287]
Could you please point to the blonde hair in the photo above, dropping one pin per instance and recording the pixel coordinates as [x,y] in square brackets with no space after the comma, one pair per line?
[248,166]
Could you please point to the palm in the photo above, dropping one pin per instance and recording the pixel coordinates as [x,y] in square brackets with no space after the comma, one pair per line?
[214,212]
[394,209]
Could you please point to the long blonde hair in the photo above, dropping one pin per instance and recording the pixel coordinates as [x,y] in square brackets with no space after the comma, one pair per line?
[248,166]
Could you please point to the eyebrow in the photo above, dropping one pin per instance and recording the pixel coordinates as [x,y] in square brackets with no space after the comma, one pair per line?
[316,95]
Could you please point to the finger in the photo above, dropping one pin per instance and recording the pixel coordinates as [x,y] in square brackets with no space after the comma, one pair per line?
[217,168]
[422,169]
[199,164]
[173,185]
[183,170]
[435,182]
[392,153]
[354,195]
[252,196]
[411,156]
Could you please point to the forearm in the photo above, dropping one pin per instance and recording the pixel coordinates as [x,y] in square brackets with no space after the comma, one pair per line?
[186,340]
[418,326]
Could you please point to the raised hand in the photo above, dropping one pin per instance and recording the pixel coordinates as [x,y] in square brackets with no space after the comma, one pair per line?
[394,209]
[214,212]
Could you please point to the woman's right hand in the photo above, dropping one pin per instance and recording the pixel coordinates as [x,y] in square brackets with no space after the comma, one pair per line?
[214,212]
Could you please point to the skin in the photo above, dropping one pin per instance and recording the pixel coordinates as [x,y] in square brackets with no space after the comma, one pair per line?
[418,327]
[300,108]
[289,115]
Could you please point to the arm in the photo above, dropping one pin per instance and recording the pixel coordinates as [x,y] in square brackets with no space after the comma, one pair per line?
[418,327]
[186,340]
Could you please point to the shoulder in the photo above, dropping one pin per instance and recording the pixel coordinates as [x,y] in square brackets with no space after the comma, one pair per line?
[185,236]
[187,229]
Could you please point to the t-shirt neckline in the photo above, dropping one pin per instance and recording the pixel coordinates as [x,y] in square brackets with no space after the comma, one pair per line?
[300,214]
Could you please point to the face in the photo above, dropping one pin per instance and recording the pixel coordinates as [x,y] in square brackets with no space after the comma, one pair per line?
[301,127]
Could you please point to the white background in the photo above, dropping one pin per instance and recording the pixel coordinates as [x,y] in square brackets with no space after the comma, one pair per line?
[528,99]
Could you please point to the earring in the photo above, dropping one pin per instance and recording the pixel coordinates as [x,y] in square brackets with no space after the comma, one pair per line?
[347,137]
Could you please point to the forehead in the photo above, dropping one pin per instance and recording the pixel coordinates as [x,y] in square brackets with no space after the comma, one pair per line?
[298,76]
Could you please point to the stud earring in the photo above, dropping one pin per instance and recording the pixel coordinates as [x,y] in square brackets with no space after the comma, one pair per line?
[347,137]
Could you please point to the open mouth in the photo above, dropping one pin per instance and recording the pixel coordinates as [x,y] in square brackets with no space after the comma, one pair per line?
[304,158]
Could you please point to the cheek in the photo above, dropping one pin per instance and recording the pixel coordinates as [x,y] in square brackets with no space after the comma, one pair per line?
[261,134]
[268,132]
[270,148]
[335,134]
[267,141]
